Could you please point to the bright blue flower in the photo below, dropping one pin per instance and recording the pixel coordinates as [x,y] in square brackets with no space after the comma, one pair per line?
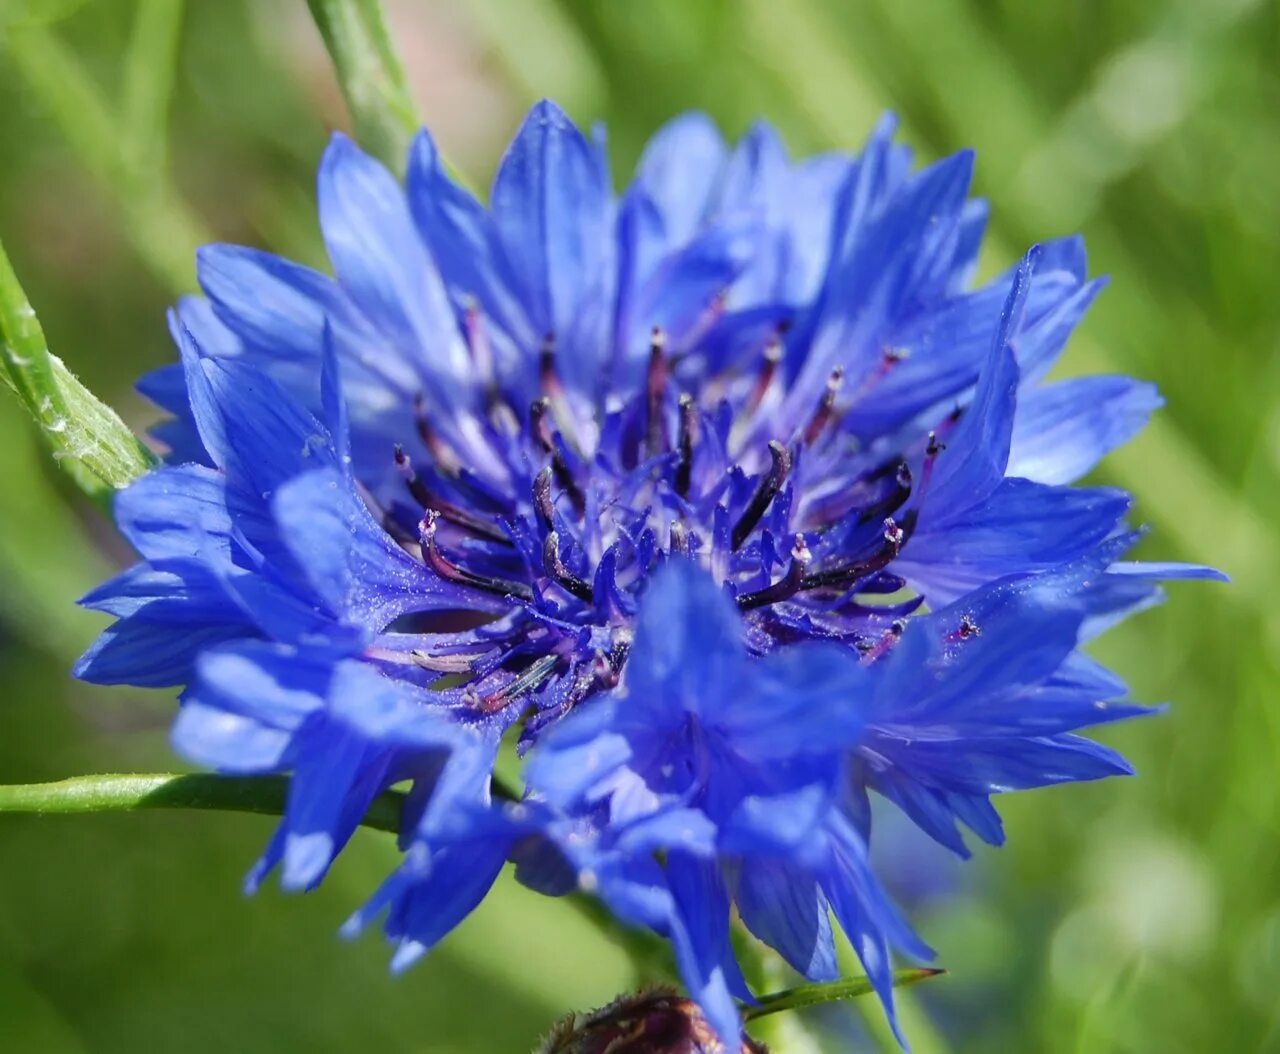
[466,454]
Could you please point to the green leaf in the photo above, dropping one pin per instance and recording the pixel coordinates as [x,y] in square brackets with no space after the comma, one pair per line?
[834,991]
[372,79]
[86,436]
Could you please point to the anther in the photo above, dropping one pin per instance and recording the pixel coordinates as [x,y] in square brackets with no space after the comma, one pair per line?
[825,413]
[446,460]
[894,500]
[770,484]
[524,682]
[893,534]
[788,586]
[768,370]
[560,572]
[443,663]
[447,569]
[967,628]
[424,496]
[416,487]
[655,389]
[542,502]
[679,537]
[688,436]
[545,436]
[934,447]
[478,341]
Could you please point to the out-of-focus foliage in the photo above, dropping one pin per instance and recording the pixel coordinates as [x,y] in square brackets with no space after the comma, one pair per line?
[1134,917]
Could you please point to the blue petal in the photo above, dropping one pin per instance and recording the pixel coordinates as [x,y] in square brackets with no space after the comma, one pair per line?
[268,682]
[167,614]
[380,260]
[783,906]
[273,304]
[995,766]
[1020,528]
[252,428]
[351,562]
[897,262]
[867,917]
[552,206]
[183,512]
[1061,431]
[463,240]
[688,655]
[802,699]
[678,171]
[977,452]
[228,741]
[424,904]
[700,934]
[578,753]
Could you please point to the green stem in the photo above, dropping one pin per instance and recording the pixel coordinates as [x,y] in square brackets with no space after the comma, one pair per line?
[266,795]
[372,79]
[87,437]
[834,991]
[126,793]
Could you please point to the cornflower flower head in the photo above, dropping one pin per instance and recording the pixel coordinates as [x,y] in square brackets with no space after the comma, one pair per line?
[423,503]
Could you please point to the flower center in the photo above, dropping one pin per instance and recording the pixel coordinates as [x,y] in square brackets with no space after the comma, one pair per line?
[730,469]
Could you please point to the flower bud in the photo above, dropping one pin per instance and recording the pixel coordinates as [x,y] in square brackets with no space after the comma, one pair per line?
[651,1021]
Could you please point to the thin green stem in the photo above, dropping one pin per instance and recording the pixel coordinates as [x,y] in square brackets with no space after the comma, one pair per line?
[87,437]
[370,74]
[150,65]
[127,793]
[265,795]
[830,992]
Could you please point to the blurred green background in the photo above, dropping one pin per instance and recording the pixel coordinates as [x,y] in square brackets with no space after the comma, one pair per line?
[1140,915]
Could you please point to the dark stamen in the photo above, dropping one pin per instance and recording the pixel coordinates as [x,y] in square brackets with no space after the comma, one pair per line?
[428,499]
[560,572]
[688,435]
[679,537]
[446,568]
[892,501]
[444,663]
[548,379]
[542,502]
[655,389]
[446,460]
[787,586]
[967,628]
[770,484]
[895,536]
[526,681]
[768,370]
[478,342]
[825,413]
[546,438]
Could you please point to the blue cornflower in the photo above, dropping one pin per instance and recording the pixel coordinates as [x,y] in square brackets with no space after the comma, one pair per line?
[420,503]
